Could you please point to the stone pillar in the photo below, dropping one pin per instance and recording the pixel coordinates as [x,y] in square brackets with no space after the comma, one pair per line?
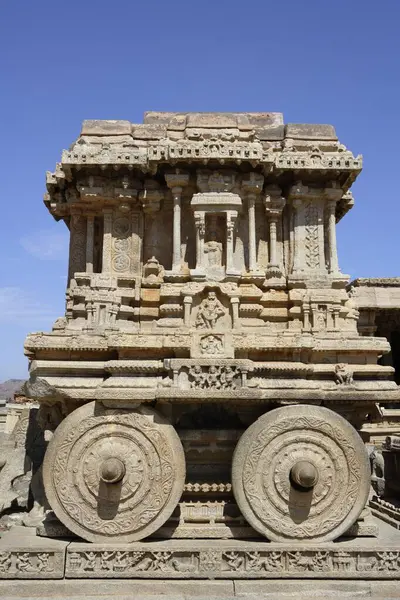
[176,236]
[107,239]
[176,181]
[298,237]
[230,225]
[330,319]
[332,248]
[89,243]
[274,204]
[272,239]
[235,312]
[336,312]
[251,199]
[187,309]
[136,241]
[90,313]
[252,185]
[306,316]
[298,193]
[199,220]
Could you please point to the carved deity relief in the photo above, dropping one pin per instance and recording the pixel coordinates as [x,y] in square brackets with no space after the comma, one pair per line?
[211,345]
[214,248]
[210,310]
[312,250]
[213,251]
[320,317]
[216,377]
[343,374]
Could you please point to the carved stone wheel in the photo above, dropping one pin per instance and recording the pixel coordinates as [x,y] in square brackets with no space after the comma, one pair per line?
[301,473]
[114,475]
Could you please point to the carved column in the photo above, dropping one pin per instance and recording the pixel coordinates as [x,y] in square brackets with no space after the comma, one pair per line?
[295,194]
[298,263]
[199,221]
[176,239]
[306,316]
[235,311]
[107,239]
[252,185]
[251,199]
[187,309]
[89,243]
[332,248]
[230,226]
[272,238]
[274,204]
[176,181]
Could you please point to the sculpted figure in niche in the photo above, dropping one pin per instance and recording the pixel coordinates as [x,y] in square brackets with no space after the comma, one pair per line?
[320,317]
[211,344]
[198,377]
[343,374]
[213,251]
[210,310]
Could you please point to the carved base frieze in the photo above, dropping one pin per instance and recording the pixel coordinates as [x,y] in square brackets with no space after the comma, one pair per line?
[232,560]
[26,556]
[23,555]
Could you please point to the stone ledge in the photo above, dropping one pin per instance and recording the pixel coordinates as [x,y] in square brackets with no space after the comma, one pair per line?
[206,590]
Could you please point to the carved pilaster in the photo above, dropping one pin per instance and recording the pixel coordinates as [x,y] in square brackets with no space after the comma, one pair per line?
[121,240]
[187,309]
[200,224]
[296,195]
[274,203]
[136,241]
[89,243]
[176,181]
[230,226]
[298,261]
[235,312]
[252,185]
[77,246]
[331,234]
[107,239]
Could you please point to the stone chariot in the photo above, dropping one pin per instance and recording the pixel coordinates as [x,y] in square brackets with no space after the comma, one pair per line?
[208,379]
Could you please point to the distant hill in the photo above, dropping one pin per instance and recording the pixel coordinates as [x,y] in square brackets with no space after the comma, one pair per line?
[9,387]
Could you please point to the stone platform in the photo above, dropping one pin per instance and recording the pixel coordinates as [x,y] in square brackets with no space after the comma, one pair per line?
[23,555]
[273,589]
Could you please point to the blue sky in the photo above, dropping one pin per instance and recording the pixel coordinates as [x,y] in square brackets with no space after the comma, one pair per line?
[315,61]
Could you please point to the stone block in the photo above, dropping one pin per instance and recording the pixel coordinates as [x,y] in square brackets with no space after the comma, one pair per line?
[154,131]
[266,134]
[105,127]
[265,119]
[177,123]
[306,131]
[161,118]
[23,555]
[122,589]
[150,295]
[212,120]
